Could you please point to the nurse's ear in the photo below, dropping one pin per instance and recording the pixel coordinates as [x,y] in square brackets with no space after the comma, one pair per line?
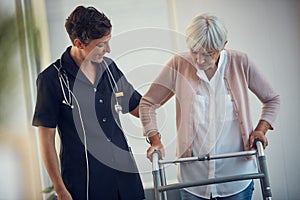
[78,43]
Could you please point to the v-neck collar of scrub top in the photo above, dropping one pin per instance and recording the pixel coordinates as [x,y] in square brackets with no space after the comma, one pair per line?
[69,65]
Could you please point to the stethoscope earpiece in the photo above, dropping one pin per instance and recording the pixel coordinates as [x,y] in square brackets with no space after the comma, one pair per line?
[68,104]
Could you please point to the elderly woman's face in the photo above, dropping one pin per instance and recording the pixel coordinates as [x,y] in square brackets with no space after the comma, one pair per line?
[204,60]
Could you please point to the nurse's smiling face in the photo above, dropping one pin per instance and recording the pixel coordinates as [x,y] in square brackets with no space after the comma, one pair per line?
[95,50]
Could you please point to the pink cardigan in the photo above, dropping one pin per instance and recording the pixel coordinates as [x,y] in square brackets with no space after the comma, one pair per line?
[179,77]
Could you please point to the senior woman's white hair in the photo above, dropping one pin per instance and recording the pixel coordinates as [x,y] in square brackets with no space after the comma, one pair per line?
[206,31]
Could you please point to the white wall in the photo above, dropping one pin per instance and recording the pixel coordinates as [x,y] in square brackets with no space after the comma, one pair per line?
[268,30]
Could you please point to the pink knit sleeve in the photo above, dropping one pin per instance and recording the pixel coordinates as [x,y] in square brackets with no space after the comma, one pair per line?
[158,92]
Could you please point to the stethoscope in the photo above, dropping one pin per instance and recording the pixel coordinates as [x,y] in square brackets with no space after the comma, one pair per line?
[64,82]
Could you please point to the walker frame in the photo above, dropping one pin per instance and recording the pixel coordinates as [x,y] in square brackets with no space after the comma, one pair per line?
[161,187]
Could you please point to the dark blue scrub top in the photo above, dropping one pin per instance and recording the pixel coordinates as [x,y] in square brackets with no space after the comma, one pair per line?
[112,170]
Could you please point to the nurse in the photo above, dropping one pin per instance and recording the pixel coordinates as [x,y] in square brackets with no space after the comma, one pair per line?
[81,94]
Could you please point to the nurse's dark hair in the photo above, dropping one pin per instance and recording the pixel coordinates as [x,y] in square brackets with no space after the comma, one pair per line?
[86,24]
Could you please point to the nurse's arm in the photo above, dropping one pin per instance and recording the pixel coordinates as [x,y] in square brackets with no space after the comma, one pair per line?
[135,112]
[49,155]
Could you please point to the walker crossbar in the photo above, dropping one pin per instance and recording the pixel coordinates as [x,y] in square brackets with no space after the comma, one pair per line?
[161,186]
[209,157]
[211,181]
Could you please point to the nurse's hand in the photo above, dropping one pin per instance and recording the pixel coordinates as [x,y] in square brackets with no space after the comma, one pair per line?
[156,145]
[64,195]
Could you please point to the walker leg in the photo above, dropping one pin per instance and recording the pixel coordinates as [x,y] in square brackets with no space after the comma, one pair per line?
[156,174]
[156,182]
[163,180]
[264,182]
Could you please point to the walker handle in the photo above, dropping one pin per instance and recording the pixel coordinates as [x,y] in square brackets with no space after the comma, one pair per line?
[259,146]
[257,141]
[155,157]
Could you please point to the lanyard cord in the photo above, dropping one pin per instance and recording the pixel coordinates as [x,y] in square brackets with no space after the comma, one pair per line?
[110,77]
[118,107]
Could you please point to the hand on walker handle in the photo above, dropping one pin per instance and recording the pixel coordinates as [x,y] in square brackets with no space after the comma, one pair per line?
[258,135]
[153,148]
[156,145]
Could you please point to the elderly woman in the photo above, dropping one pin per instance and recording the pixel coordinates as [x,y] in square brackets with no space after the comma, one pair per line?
[213,116]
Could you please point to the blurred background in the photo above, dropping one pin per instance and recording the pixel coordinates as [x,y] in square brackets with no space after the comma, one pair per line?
[145,35]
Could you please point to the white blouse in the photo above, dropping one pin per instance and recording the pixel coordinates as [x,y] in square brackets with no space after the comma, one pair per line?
[217,128]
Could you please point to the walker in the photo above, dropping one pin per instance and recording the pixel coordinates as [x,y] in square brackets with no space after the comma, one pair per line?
[161,187]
